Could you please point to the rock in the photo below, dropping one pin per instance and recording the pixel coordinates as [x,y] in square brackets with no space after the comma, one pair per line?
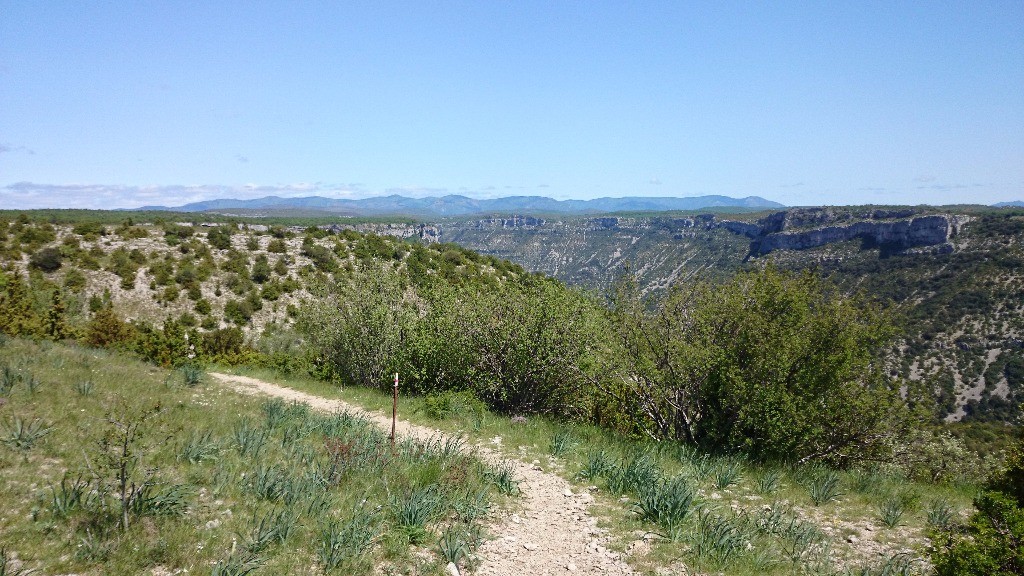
[567,492]
[530,547]
[212,524]
[451,569]
[852,539]
[570,567]
[902,234]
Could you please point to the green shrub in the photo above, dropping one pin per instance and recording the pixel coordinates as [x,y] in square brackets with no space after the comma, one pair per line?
[773,365]
[453,404]
[47,260]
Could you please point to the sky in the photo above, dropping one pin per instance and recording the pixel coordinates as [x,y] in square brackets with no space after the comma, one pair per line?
[124,104]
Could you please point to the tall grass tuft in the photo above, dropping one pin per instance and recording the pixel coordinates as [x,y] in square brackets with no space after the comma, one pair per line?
[342,541]
[890,511]
[716,541]
[503,477]
[769,482]
[275,412]
[237,565]
[598,464]
[729,472]
[249,440]
[191,375]
[634,474]
[84,387]
[939,513]
[269,482]
[667,504]
[562,442]
[823,486]
[70,495]
[23,435]
[198,447]
[413,510]
[9,378]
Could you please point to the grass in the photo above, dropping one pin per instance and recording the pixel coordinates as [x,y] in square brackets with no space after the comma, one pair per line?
[794,518]
[219,483]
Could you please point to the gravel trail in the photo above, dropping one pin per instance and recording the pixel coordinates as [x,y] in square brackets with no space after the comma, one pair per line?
[554,533]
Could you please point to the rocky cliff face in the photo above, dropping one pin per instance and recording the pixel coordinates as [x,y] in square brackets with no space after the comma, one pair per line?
[794,229]
[900,234]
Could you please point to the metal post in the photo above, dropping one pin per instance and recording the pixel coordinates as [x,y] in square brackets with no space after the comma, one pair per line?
[394,412]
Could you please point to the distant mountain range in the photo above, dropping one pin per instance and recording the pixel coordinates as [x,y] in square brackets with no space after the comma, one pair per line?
[463,206]
[1014,204]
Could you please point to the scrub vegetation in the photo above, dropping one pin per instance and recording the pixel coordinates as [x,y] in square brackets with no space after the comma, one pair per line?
[753,424]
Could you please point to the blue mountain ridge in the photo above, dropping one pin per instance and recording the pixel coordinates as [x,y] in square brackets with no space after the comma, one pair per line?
[454,205]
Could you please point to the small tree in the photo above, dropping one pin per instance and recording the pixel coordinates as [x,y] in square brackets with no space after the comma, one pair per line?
[773,365]
[106,328]
[118,468]
[992,542]
[220,237]
[55,325]
[17,317]
[47,260]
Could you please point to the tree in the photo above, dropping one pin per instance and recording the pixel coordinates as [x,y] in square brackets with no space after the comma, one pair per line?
[220,237]
[773,365]
[992,542]
[17,317]
[47,260]
[358,325]
[55,325]
[106,328]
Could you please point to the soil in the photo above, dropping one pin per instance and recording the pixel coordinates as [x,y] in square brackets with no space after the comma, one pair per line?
[553,533]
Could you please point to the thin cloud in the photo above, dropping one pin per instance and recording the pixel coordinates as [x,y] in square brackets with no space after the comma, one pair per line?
[947,187]
[793,185]
[242,159]
[11,149]
[924,178]
[654,181]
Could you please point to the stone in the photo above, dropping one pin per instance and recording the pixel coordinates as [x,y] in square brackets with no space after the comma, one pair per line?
[451,569]
[570,567]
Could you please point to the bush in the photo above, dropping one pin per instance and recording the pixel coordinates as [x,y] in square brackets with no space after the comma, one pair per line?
[220,237]
[277,246]
[223,342]
[770,364]
[450,404]
[47,260]
[992,543]
[520,347]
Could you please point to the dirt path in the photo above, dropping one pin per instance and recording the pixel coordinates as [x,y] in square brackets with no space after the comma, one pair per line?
[553,534]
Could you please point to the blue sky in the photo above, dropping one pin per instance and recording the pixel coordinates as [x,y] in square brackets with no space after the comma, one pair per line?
[119,104]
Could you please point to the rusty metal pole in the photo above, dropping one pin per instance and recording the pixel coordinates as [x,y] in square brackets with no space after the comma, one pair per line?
[394,412]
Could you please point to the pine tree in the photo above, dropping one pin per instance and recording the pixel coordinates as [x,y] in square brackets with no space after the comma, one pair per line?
[17,318]
[55,325]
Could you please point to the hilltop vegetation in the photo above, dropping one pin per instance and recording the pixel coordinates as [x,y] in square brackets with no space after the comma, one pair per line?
[957,303]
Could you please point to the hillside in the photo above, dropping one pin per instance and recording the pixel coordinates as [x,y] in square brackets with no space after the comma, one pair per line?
[953,275]
[210,275]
